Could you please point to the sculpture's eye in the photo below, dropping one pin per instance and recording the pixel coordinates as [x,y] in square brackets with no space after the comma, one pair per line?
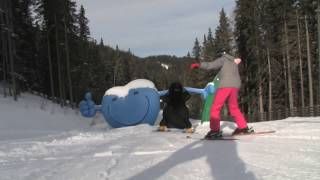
[114,99]
[135,93]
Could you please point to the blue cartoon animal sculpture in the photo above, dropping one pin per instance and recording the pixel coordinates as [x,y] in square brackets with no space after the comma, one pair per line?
[136,103]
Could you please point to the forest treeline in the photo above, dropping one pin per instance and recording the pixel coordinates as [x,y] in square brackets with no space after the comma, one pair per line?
[46,48]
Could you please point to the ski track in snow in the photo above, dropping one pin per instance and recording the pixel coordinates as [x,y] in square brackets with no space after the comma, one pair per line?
[101,154]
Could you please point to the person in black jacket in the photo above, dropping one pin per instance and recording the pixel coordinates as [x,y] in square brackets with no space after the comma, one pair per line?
[175,111]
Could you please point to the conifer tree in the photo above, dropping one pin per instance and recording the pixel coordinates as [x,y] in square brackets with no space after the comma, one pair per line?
[223,35]
[24,54]
[101,44]
[188,55]
[210,51]
[196,49]
[244,29]
[84,31]
[59,17]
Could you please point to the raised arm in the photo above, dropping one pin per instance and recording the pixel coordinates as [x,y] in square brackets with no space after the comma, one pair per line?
[216,64]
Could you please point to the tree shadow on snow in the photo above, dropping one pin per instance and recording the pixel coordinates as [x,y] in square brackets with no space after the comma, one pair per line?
[222,157]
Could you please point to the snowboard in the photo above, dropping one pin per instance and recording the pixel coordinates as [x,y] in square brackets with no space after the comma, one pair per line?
[233,137]
[205,116]
[256,133]
[223,138]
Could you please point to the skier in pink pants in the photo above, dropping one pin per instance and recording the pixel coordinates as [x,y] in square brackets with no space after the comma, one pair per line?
[228,91]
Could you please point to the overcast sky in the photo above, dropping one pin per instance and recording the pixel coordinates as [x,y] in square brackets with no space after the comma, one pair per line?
[153,27]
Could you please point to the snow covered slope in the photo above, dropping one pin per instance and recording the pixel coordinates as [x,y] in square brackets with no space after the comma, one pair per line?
[40,141]
[32,116]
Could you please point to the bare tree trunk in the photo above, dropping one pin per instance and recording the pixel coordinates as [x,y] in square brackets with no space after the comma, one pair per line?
[300,62]
[261,109]
[50,65]
[318,27]
[14,54]
[10,48]
[68,63]
[114,75]
[4,52]
[58,62]
[270,80]
[285,76]
[247,91]
[291,103]
[257,55]
[115,71]
[63,65]
[309,64]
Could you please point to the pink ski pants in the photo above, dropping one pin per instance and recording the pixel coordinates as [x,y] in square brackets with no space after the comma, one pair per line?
[223,94]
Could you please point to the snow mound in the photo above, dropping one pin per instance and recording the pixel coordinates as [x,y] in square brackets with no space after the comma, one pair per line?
[122,91]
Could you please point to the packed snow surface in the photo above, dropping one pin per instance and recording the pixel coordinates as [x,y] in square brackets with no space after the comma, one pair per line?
[41,140]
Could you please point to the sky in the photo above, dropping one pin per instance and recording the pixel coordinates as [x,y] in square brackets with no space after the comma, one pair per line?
[153,27]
